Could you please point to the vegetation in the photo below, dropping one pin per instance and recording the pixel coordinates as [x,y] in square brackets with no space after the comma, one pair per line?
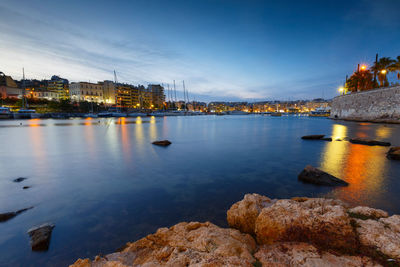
[366,79]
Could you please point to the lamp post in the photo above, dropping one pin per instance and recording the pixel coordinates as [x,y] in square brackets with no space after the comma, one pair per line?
[341,90]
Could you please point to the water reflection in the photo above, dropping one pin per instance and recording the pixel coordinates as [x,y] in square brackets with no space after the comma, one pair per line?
[363,167]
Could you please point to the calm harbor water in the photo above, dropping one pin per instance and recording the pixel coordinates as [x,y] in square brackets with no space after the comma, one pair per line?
[103,184]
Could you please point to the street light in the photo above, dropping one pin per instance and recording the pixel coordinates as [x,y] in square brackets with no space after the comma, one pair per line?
[363,67]
[341,90]
[383,71]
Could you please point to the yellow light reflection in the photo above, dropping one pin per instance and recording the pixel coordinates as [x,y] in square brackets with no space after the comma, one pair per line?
[384,132]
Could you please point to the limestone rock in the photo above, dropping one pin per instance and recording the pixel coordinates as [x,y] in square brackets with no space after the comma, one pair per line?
[367,213]
[321,222]
[316,176]
[243,214]
[313,137]
[293,254]
[184,244]
[382,234]
[162,143]
[40,236]
[394,153]
[368,142]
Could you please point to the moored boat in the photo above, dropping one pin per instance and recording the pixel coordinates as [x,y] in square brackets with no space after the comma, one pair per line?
[5,113]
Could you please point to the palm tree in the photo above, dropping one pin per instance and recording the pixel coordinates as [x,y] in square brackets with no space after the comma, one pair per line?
[395,67]
[360,81]
[381,68]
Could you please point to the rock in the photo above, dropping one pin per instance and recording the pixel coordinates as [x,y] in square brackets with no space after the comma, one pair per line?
[184,244]
[367,213]
[298,254]
[394,153]
[382,235]
[26,187]
[9,215]
[19,179]
[40,236]
[368,142]
[327,139]
[315,176]
[162,143]
[313,137]
[243,214]
[321,222]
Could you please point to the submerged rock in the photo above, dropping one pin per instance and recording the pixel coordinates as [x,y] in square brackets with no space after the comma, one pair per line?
[26,187]
[394,153]
[313,137]
[368,142]
[184,244]
[316,176]
[327,139]
[162,143]
[19,179]
[40,236]
[9,215]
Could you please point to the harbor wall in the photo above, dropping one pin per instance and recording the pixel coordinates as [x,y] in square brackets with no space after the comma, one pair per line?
[378,105]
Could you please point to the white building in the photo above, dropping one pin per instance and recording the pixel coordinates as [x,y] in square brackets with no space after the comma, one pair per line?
[84,91]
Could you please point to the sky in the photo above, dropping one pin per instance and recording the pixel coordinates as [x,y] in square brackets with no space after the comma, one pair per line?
[223,49]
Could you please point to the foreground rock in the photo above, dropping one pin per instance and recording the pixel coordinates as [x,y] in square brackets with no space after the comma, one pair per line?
[185,244]
[40,236]
[162,143]
[316,176]
[313,137]
[394,153]
[9,215]
[289,232]
[302,254]
[368,142]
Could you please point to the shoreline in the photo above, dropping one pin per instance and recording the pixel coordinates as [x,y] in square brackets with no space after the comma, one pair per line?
[378,121]
[270,232]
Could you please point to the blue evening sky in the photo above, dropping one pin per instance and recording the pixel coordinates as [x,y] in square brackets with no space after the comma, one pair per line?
[223,49]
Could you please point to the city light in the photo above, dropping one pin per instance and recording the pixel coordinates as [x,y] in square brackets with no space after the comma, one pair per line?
[383,71]
[341,90]
[363,67]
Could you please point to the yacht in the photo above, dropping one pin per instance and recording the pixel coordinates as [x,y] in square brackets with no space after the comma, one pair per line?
[26,114]
[5,113]
[137,114]
[320,112]
[238,112]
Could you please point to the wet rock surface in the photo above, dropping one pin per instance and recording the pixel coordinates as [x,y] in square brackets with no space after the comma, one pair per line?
[394,153]
[368,142]
[40,236]
[313,137]
[9,215]
[288,232]
[316,176]
[162,143]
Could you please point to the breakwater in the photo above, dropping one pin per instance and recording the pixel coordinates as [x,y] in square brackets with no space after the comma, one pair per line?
[378,105]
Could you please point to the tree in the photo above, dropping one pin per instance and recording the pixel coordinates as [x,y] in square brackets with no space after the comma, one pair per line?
[395,67]
[360,81]
[382,67]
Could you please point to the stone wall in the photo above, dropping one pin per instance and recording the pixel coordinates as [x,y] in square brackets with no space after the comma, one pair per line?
[380,105]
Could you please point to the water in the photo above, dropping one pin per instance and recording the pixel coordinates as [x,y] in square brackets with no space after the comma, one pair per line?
[103,184]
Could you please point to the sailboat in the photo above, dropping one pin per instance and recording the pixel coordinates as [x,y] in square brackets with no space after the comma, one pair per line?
[24,112]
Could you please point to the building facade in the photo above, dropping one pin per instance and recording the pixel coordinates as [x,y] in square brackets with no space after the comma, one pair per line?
[158,96]
[8,87]
[60,86]
[85,91]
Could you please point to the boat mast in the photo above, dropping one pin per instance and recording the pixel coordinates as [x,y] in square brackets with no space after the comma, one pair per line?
[184,94]
[23,90]
[116,90]
[175,90]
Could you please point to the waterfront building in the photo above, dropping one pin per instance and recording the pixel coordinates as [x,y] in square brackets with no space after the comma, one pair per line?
[158,95]
[8,87]
[48,95]
[108,92]
[127,95]
[60,86]
[85,91]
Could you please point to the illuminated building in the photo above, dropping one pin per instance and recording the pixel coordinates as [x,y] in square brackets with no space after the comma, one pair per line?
[84,91]
[60,86]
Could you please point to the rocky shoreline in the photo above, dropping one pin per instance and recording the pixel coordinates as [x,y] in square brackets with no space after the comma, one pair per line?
[270,232]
